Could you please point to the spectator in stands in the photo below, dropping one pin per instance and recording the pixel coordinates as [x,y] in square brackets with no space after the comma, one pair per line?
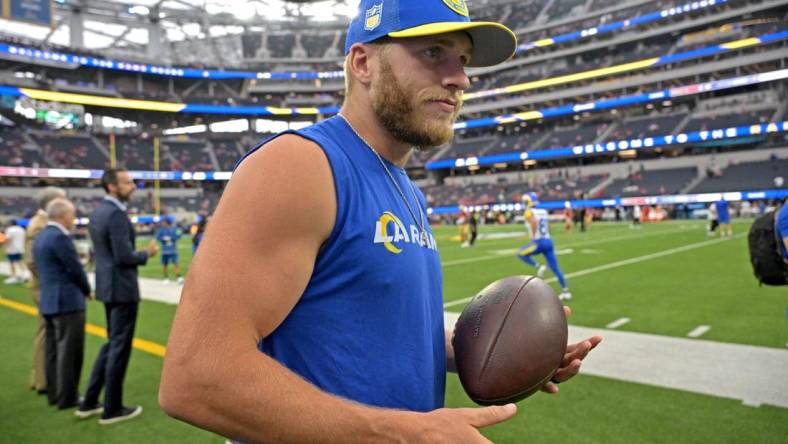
[34,227]
[276,264]
[64,288]
[14,249]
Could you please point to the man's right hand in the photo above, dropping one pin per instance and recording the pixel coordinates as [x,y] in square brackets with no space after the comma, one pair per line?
[152,249]
[457,424]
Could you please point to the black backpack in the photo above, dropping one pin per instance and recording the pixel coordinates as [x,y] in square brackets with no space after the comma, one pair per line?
[767,262]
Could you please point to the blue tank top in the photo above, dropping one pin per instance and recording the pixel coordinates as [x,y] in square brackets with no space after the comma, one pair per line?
[722,209]
[369,326]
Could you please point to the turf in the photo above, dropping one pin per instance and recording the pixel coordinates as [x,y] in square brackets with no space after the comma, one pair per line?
[25,416]
[667,295]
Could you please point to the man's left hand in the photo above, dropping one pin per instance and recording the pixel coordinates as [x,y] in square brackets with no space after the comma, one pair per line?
[570,365]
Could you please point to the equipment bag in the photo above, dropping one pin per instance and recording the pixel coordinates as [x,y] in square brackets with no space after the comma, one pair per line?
[767,263]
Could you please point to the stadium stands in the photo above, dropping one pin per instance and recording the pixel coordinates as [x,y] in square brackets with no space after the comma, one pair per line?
[281,45]
[560,186]
[646,126]
[466,147]
[15,150]
[227,151]
[728,118]
[761,175]
[529,141]
[317,45]
[286,47]
[575,136]
[557,10]
[186,155]
[72,151]
[651,183]
[135,153]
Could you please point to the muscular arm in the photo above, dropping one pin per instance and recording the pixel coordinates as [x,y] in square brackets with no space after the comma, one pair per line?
[253,266]
[531,222]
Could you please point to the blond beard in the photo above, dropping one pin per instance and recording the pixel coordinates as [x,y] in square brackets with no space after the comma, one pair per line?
[394,110]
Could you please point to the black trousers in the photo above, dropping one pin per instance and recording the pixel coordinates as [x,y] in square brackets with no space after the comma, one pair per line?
[64,351]
[109,370]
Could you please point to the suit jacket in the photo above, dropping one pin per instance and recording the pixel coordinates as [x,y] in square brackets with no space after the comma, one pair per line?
[37,224]
[64,283]
[116,261]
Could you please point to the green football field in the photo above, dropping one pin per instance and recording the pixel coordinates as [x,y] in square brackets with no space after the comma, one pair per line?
[667,278]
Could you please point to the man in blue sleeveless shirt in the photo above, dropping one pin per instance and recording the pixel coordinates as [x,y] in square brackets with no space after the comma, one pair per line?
[313,312]
[168,237]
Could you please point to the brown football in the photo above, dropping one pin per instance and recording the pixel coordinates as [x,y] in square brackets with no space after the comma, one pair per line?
[509,340]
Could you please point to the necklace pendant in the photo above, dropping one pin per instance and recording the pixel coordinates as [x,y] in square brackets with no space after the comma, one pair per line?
[425,238]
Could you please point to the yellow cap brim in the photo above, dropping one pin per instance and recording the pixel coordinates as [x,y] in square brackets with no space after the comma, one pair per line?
[493,43]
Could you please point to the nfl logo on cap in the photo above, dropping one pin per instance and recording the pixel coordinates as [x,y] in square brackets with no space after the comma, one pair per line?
[372,17]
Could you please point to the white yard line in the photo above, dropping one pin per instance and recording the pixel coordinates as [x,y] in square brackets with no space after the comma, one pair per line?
[698,331]
[617,323]
[621,263]
[471,260]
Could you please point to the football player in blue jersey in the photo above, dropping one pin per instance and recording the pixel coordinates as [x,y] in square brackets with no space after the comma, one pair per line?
[168,236]
[538,224]
[724,217]
[314,310]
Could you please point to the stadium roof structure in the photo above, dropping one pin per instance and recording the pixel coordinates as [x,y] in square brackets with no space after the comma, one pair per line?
[117,24]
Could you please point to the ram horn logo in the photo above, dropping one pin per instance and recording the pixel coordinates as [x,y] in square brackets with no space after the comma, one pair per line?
[382,235]
[372,17]
[457,6]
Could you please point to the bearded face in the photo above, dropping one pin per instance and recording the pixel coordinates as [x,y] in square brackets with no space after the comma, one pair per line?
[416,116]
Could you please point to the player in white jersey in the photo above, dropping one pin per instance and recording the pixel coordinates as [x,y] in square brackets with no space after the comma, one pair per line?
[14,248]
[538,224]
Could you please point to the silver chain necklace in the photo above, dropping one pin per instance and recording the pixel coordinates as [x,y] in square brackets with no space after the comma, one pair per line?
[424,235]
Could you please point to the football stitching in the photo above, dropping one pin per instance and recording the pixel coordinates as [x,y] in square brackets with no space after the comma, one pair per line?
[491,349]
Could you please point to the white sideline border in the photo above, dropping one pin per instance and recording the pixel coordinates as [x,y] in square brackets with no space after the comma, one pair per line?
[750,374]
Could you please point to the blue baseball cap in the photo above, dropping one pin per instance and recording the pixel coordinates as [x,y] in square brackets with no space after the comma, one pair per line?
[493,43]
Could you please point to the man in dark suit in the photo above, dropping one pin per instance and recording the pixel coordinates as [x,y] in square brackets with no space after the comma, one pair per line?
[64,287]
[116,286]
